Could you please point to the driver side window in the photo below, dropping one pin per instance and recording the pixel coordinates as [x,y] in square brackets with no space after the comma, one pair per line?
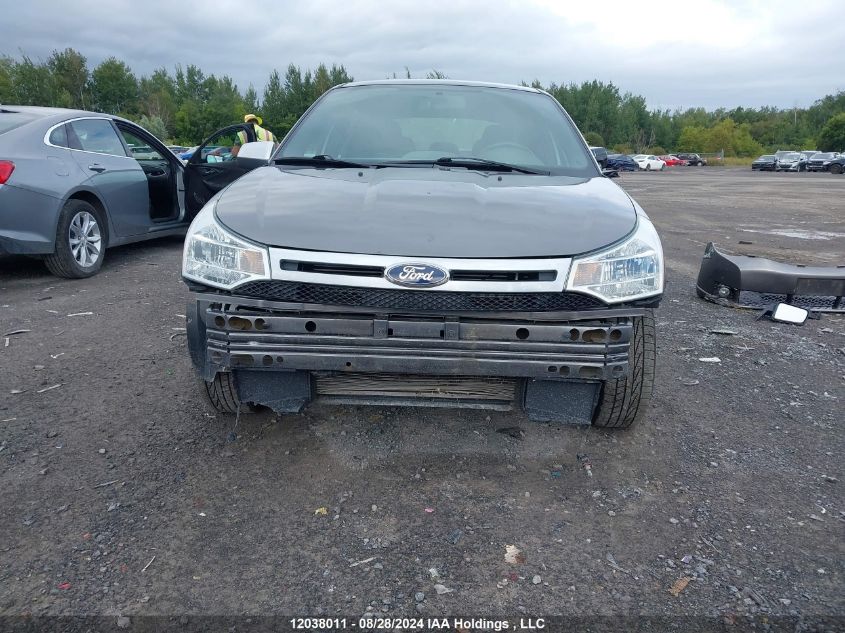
[221,148]
[139,148]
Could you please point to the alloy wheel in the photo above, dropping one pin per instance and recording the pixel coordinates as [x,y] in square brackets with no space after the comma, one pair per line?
[85,239]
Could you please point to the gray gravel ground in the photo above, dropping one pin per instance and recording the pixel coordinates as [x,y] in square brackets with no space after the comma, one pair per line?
[122,496]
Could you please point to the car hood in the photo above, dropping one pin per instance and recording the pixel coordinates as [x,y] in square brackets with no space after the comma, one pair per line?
[426,212]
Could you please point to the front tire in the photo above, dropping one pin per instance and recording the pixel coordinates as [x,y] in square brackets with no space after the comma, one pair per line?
[836,168]
[80,242]
[222,393]
[648,167]
[625,402]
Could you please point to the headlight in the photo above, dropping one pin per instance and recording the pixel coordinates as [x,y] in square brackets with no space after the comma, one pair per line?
[632,270]
[215,257]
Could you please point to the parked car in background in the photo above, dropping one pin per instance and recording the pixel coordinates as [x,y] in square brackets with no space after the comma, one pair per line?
[186,155]
[73,183]
[820,161]
[143,152]
[695,160]
[649,162]
[622,162]
[836,165]
[672,161]
[809,153]
[377,260]
[792,161]
[766,162]
[600,154]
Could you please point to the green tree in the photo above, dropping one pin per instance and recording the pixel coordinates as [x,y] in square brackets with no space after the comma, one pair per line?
[274,104]
[70,78]
[32,83]
[251,99]
[593,139]
[7,70]
[155,125]
[692,138]
[832,136]
[338,75]
[158,97]
[322,81]
[114,87]
[190,85]
[743,144]
[224,105]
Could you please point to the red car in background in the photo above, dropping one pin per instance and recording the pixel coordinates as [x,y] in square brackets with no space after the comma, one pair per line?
[674,161]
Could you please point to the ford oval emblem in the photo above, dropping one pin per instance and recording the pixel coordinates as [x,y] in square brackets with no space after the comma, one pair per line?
[416,275]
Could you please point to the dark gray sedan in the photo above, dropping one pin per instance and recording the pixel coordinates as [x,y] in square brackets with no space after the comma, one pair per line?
[73,183]
[431,243]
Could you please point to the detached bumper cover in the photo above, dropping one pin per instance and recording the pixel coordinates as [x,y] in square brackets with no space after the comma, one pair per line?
[756,282]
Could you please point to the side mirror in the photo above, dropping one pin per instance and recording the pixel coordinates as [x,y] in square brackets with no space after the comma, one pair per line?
[785,313]
[257,151]
[610,173]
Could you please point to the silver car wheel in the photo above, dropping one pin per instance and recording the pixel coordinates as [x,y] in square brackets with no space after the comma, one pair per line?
[84,239]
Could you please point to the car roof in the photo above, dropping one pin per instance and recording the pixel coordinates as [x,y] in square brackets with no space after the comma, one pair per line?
[54,114]
[438,82]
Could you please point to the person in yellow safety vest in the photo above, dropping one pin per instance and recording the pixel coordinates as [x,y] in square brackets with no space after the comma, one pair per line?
[260,133]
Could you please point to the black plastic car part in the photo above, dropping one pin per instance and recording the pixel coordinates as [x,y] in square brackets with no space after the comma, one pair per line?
[746,281]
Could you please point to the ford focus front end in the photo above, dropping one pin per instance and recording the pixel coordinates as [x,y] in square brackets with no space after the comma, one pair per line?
[428,243]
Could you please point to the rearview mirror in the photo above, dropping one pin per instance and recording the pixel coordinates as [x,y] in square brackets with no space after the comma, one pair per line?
[786,313]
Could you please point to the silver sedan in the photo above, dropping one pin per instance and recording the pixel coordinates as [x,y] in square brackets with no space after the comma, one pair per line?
[73,183]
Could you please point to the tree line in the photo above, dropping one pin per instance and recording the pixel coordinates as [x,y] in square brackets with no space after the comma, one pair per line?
[185,105]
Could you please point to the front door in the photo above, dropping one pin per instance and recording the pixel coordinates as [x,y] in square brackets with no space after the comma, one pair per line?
[161,167]
[114,175]
[213,166]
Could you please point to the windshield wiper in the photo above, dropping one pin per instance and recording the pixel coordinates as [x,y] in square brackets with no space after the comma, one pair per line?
[472,162]
[321,160]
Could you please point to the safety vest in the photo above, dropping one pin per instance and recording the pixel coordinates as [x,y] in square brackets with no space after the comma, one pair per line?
[260,134]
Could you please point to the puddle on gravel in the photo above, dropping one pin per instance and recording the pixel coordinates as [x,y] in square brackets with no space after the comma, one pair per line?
[801,234]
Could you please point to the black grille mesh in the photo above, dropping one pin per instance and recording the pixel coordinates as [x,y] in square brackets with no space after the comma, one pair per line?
[810,302]
[319,294]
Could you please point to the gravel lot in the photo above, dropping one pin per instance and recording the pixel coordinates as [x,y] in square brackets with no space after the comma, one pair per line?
[122,493]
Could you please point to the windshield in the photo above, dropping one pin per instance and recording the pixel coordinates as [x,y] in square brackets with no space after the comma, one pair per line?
[767,157]
[823,155]
[10,120]
[794,156]
[378,124]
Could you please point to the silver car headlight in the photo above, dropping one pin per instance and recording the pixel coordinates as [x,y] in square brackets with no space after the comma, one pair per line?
[215,257]
[631,270]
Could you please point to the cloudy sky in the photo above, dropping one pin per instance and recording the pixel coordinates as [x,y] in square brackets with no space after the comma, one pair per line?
[675,53]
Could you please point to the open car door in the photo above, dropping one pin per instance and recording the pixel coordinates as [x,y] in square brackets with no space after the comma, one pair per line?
[214,165]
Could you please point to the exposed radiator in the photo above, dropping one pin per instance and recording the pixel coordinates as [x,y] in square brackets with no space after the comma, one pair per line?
[403,387]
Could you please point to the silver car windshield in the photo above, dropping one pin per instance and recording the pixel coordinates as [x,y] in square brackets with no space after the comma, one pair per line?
[419,123]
